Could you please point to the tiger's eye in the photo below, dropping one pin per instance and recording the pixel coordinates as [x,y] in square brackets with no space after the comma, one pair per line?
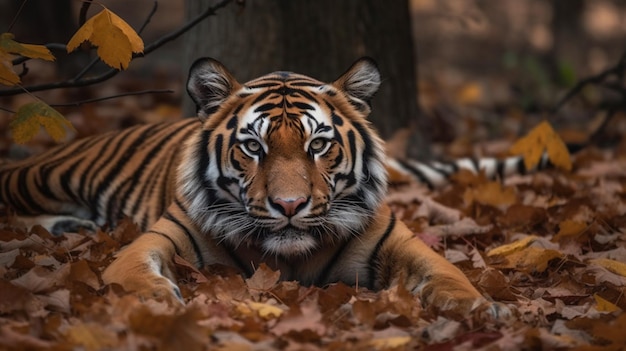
[318,145]
[253,146]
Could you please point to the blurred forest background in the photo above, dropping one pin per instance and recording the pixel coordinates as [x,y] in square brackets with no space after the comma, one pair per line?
[452,69]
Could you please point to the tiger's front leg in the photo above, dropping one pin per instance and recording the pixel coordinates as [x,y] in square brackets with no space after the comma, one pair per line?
[440,285]
[146,265]
[145,268]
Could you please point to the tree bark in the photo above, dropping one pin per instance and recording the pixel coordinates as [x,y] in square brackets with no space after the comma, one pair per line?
[320,39]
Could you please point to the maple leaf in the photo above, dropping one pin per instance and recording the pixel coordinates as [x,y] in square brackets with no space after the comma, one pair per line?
[26,121]
[542,139]
[9,47]
[263,279]
[115,39]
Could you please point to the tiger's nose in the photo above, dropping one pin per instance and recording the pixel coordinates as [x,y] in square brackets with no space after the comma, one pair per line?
[288,207]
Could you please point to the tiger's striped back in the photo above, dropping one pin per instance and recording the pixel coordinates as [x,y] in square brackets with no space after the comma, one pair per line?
[101,178]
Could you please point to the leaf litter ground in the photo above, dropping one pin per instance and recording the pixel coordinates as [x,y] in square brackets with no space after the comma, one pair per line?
[551,244]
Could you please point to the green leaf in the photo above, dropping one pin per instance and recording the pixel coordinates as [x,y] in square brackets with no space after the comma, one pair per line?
[30,117]
[567,74]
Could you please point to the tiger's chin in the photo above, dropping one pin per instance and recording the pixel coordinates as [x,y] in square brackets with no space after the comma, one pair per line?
[288,242]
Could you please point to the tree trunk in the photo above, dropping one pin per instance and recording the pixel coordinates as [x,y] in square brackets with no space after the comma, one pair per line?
[320,39]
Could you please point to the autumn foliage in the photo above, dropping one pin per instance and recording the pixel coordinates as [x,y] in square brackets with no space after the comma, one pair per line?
[116,42]
[549,244]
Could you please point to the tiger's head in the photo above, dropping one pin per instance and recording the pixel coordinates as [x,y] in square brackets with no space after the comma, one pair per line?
[284,163]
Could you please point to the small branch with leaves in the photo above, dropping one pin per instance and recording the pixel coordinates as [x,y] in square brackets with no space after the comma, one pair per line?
[97,30]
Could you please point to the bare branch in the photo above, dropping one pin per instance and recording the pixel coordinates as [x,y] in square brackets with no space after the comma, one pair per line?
[81,82]
[618,70]
[131,93]
[6,110]
[145,23]
[82,17]
[17,15]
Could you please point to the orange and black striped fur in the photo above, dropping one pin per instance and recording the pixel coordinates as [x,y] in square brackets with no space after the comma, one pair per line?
[284,170]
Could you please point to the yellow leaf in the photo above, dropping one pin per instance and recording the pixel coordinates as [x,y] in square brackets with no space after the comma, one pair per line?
[531,259]
[470,93]
[91,336]
[10,46]
[394,342]
[603,305]
[115,39]
[569,229]
[512,247]
[539,140]
[7,75]
[27,120]
[263,310]
[491,193]
[611,265]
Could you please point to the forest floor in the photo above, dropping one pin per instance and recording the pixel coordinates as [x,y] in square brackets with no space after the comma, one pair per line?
[551,245]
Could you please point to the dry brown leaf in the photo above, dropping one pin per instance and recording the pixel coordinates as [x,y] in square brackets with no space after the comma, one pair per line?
[91,336]
[303,321]
[492,194]
[531,259]
[263,279]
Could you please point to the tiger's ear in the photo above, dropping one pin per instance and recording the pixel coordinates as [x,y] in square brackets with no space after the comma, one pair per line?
[209,85]
[361,80]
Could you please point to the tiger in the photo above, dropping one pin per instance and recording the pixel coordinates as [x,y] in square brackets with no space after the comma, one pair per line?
[283,170]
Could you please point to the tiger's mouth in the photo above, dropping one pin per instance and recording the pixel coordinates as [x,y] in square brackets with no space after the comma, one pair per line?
[288,241]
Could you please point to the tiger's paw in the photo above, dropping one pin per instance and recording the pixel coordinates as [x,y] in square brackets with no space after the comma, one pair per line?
[460,304]
[144,284]
[485,310]
[144,271]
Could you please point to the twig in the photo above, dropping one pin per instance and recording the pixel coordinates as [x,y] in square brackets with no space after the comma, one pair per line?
[149,18]
[6,110]
[617,70]
[88,101]
[141,92]
[82,17]
[74,83]
[17,15]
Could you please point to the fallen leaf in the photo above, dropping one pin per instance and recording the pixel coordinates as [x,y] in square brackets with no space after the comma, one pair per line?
[91,336]
[569,230]
[263,279]
[80,271]
[512,247]
[531,259]
[492,194]
[612,265]
[542,139]
[304,320]
[604,305]
[394,342]
[263,310]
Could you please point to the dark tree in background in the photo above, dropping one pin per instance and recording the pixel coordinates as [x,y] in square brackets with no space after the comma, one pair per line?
[319,38]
